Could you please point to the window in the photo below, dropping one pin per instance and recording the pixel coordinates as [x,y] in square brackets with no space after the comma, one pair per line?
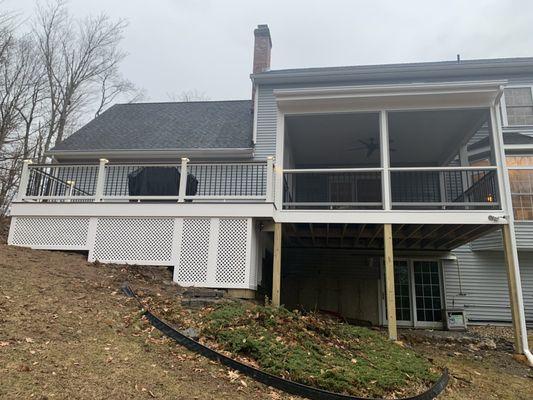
[519,105]
[521,181]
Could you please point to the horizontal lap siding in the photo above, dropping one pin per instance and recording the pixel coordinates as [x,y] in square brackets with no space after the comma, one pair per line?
[267,113]
[484,284]
[493,241]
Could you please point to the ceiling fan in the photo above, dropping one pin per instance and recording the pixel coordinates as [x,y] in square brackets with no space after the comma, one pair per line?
[370,145]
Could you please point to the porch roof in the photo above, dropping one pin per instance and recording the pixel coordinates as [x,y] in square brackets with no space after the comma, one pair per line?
[402,72]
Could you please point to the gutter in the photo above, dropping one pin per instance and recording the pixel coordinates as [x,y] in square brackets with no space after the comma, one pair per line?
[435,70]
[223,153]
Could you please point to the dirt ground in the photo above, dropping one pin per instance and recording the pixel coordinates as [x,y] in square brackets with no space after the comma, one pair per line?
[67,331]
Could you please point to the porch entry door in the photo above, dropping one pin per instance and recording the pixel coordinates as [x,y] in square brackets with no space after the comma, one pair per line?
[418,293]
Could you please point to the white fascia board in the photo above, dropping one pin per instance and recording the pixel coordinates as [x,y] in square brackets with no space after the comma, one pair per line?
[491,86]
[449,95]
[219,153]
[170,209]
[392,217]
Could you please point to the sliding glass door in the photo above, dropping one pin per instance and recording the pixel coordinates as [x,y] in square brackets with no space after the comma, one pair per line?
[418,293]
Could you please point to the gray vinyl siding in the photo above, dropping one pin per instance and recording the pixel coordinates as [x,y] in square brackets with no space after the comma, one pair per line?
[493,241]
[267,114]
[483,279]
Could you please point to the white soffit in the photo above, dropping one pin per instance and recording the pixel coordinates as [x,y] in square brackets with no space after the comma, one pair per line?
[391,97]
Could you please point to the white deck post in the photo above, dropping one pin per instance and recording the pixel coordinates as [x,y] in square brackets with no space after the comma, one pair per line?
[70,189]
[24,179]
[269,179]
[183,180]
[385,161]
[511,253]
[100,180]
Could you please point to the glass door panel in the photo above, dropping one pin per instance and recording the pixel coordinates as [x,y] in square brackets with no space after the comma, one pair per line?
[402,290]
[427,291]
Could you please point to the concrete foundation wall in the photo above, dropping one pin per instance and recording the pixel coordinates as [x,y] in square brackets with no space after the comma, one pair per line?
[333,280]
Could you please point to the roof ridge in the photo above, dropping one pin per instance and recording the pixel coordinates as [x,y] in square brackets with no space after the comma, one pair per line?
[183,102]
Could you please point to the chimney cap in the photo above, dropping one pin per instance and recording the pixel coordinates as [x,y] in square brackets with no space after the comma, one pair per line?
[262,30]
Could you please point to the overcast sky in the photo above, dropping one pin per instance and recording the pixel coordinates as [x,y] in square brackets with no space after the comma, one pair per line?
[206,45]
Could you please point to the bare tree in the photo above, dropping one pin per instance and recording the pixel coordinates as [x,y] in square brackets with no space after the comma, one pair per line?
[112,87]
[76,55]
[187,96]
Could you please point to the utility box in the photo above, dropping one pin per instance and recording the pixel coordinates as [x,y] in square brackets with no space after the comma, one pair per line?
[456,319]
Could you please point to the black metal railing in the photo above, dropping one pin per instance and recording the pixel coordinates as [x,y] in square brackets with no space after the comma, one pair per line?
[459,189]
[51,181]
[332,189]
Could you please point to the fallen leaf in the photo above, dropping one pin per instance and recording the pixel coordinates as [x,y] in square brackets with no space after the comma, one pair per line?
[30,340]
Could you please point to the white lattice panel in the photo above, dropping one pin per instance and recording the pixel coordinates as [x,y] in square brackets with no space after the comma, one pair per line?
[61,233]
[215,252]
[233,243]
[143,241]
[194,251]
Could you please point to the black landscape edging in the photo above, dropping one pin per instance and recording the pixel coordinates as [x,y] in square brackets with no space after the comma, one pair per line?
[277,382]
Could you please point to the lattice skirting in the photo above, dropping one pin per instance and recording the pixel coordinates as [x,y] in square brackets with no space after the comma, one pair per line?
[206,252]
[54,233]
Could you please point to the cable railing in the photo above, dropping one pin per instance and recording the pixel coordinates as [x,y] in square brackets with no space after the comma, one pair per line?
[126,182]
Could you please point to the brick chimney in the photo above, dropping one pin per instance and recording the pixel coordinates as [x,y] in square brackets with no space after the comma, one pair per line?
[262,47]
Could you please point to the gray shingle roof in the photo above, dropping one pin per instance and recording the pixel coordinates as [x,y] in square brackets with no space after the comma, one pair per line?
[166,126]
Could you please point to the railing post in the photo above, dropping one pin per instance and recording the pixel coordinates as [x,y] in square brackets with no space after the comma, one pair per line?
[269,196]
[100,180]
[24,179]
[70,190]
[183,180]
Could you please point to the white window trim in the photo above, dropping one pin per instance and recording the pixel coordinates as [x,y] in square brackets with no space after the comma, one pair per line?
[505,120]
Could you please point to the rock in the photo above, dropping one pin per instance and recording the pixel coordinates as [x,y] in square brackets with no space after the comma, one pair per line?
[487,344]
[191,333]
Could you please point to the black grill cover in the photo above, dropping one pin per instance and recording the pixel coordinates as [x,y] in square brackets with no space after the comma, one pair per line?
[159,181]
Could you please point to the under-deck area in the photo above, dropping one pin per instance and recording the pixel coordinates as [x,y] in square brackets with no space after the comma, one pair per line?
[341,269]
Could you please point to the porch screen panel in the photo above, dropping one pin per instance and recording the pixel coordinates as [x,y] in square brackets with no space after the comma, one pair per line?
[427,291]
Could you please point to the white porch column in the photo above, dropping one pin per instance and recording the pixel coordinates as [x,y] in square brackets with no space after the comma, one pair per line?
[100,180]
[269,179]
[278,167]
[509,240]
[182,191]
[24,179]
[385,161]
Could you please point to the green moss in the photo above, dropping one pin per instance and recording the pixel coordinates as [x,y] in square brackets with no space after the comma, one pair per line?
[317,351]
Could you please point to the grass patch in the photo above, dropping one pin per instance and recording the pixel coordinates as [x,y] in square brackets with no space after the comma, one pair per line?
[318,351]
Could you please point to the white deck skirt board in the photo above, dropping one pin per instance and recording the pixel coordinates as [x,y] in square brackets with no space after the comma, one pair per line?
[389,97]
[144,209]
[390,217]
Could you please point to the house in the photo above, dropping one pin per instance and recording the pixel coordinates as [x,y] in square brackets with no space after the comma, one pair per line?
[378,192]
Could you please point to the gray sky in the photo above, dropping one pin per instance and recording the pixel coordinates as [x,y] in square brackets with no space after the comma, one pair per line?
[206,45]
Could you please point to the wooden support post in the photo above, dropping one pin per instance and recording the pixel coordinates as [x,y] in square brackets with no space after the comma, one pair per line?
[389,279]
[276,270]
[515,291]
